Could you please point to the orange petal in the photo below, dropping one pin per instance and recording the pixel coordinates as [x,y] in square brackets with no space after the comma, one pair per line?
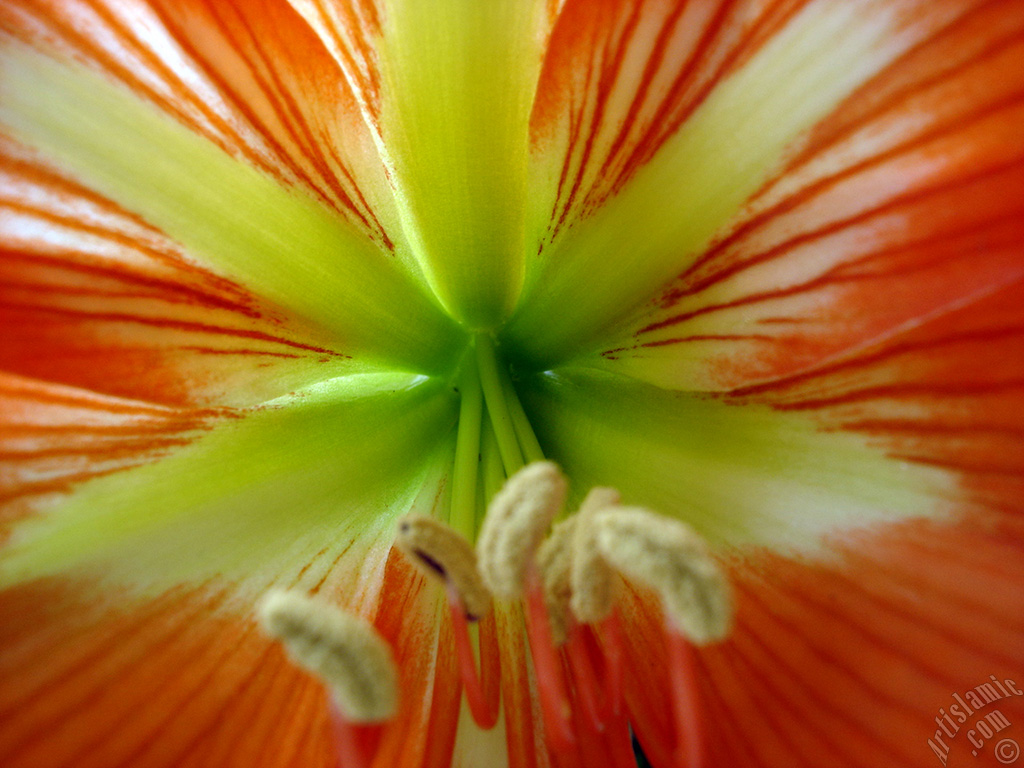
[179,680]
[93,297]
[903,204]
[411,616]
[849,663]
[947,393]
[53,437]
[251,77]
[188,679]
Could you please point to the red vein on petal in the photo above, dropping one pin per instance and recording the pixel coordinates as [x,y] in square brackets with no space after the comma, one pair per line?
[916,195]
[176,324]
[802,686]
[766,702]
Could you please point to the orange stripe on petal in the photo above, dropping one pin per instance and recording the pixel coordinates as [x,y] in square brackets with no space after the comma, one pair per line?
[253,78]
[53,437]
[947,394]
[904,204]
[92,297]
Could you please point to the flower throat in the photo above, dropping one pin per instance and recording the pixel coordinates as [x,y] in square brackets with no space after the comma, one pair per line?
[495,438]
[567,576]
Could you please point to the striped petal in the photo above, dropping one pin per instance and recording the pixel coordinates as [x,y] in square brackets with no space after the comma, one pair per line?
[53,437]
[185,678]
[743,476]
[92,297]
[257,494]
[448,89]
[854,662]
[903,204]
[688,128]
[946,394]
[67,97]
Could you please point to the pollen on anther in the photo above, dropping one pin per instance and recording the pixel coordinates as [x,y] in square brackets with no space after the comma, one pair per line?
[442,553]
[592,578]
[343,650]
[515,524]
[669,556]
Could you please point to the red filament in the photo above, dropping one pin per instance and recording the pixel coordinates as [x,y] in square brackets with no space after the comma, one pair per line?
[585,678]
[614,652]
[484,709]
[356,743]
[550,683]
[685,700]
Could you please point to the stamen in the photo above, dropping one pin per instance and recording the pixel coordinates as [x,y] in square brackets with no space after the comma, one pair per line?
[515,524]
[554,559]
[585,677]
[483,708]
[443,554]
[685,700]
[670,557]
[512,531]
[550,684]
[592,578]
[343,650]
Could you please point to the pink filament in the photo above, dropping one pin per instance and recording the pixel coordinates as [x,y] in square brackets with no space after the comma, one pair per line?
[614,650]
[620,746]
[585,678]
[550,683]
[484,709]
[685,700]
[354,743]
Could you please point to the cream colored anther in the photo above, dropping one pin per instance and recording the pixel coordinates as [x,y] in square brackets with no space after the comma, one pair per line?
[515,524]
[443,554]
[592,578]
[343,650]
[669,556]
[554,559]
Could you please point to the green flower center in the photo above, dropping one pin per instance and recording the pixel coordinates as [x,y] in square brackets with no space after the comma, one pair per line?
[495,438]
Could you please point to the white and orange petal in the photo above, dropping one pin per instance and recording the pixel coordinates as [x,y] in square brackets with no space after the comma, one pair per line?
[54,437]
[111,674]
[281,105]
[93,297]
[902,204]
[99,118]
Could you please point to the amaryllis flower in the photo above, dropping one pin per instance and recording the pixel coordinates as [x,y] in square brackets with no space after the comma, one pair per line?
[277,273]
